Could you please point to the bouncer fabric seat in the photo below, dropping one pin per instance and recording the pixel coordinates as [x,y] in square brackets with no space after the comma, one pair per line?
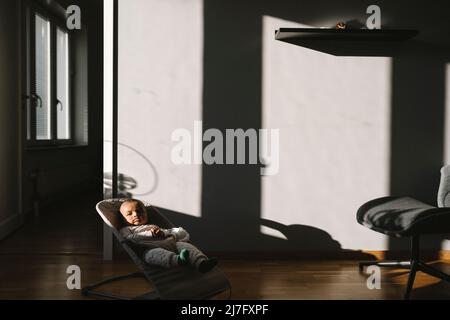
[173,283]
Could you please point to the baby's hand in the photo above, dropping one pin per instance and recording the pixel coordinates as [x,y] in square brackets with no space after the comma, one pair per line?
[157,232]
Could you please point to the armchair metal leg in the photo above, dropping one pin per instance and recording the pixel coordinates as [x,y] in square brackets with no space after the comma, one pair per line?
[411,278]
[414,265]
[385,264]
[433,272]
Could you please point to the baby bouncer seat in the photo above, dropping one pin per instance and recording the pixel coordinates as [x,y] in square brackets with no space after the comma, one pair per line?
[173,283]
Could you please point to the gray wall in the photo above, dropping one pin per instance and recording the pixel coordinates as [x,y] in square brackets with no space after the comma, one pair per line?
[9,120]
[368,123]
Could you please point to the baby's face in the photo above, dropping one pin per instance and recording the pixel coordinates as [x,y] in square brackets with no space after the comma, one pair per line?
[134,213]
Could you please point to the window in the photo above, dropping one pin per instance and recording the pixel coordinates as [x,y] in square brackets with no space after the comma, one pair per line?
[49,111]
[62,85]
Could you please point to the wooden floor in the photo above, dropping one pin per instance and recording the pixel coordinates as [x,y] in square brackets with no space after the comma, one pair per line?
[33,263]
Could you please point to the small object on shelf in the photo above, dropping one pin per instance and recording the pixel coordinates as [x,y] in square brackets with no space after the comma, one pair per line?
[341,25]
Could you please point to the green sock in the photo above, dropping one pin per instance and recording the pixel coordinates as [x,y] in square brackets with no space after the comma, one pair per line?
[183,257]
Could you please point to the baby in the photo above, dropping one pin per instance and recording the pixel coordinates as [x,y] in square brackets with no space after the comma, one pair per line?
[166,247]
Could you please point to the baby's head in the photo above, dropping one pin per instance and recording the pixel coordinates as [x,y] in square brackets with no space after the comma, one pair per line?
[134,212]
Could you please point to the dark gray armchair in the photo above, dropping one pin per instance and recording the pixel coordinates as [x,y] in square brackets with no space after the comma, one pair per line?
[408,217]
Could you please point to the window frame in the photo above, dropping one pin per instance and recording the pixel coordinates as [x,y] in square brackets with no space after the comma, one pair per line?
[56,22]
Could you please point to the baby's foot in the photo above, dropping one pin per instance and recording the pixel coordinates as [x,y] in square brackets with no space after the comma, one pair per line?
[183,257]
[207,265]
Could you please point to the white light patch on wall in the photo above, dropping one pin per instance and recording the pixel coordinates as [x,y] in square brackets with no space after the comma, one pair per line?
[446,243]
[108,36]
[160,90]
[334,119]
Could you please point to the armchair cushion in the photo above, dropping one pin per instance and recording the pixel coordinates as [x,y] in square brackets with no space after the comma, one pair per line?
[403,216]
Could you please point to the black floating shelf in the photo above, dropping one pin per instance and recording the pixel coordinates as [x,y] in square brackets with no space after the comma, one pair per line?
[347,42]
[310,34]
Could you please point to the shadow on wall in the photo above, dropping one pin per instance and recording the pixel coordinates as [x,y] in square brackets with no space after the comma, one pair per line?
[232,76]
[300,240]
[231,198]
[417,128]
[126,184]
